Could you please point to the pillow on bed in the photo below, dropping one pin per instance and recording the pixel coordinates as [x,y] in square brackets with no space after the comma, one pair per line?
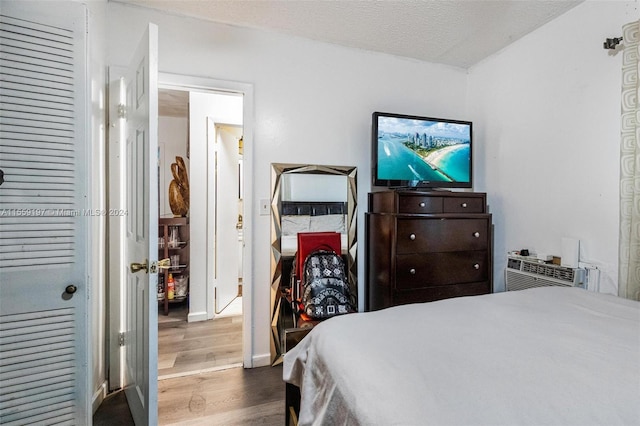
[328,223]
[291,225]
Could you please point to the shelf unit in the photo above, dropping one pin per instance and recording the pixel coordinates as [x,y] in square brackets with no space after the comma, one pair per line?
[165,252]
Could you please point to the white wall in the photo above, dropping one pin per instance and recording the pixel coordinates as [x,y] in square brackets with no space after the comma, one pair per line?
[172,141]
[313,104]
[546,114]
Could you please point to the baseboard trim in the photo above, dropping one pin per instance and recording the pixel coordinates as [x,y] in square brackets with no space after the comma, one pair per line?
[197,316]
[261,360]
[98,396]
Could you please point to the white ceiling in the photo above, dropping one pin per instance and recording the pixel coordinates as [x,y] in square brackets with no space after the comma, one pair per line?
[173,103]
[459,33]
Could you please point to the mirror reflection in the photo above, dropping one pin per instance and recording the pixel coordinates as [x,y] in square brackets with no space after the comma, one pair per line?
[306,198]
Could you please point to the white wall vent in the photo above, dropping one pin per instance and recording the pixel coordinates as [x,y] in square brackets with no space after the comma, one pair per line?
[522,274]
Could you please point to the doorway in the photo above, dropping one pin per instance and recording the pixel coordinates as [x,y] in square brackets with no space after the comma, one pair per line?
[226,213]
[205,332]
[204,293]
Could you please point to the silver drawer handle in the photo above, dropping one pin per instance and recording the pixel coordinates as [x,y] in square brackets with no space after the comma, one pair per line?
[476,266]
[464,205]
[422,204]
[412,271]
[412,237]
[476,234]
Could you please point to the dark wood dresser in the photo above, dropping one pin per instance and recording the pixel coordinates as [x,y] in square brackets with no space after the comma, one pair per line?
[425,246]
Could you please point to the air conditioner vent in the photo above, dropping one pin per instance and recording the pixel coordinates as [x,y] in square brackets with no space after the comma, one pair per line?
[521,274]
[553,271]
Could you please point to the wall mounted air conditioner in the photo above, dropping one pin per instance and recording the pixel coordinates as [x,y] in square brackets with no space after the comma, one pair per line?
[522,274]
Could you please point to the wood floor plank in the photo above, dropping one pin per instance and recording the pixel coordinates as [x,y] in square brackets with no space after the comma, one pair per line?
[185,347]
[234,396]
[200,357]
[166,360]
[270,413]
[206,367]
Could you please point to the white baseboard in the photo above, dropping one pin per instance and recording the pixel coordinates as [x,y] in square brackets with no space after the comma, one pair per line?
[261,360]
[197,316]
[98,396]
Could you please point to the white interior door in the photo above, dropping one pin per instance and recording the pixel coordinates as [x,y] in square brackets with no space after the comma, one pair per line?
[44,368]
[227,212]
[141,235]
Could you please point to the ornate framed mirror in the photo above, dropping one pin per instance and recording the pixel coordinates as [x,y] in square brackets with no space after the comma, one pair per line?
[307,198]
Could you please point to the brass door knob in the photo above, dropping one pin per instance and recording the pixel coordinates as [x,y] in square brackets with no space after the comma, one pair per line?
[137,267]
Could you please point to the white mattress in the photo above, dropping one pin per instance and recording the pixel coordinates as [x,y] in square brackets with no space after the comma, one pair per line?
[544,356]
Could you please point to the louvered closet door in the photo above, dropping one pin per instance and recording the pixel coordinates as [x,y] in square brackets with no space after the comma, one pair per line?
[43,325]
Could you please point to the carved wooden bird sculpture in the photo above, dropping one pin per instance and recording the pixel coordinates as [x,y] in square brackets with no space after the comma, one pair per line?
[179,188]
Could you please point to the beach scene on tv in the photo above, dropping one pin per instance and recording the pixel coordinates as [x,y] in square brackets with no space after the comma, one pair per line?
[420,150]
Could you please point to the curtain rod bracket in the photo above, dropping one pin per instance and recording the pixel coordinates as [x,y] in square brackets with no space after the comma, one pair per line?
[611,43]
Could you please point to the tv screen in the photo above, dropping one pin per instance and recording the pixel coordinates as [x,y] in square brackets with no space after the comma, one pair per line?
[413,151]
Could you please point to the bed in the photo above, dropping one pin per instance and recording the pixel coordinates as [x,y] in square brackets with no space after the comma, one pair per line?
[542,356]
[311,217]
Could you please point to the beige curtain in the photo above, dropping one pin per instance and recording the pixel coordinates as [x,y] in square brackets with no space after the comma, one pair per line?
[629,252]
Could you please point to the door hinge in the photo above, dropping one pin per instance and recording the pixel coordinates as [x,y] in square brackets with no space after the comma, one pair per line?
[121,339]
[122,111]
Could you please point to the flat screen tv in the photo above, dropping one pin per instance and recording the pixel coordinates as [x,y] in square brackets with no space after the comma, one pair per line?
[421,152]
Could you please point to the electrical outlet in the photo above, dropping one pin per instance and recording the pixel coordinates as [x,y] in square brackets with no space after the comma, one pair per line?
[264,207]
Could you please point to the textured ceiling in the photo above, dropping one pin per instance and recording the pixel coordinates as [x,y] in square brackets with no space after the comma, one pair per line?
[454,32]
[173,103]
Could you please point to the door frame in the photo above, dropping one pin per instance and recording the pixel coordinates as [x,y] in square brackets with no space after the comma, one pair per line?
[115,230]
[115,248]
[214,238]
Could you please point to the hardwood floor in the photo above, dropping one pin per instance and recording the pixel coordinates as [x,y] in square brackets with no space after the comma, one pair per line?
[196,347]
[196,385]
[235,396]
[114,411]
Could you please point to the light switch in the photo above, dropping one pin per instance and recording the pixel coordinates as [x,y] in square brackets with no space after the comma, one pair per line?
[264,207]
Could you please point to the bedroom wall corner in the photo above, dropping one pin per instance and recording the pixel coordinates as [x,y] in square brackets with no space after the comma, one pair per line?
[546,112]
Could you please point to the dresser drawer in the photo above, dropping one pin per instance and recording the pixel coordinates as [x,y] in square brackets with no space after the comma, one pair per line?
[414,271]
[441,234]
[418,204]
[463,205]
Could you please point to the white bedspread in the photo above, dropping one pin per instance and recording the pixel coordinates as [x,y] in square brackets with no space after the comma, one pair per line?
[544,356]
